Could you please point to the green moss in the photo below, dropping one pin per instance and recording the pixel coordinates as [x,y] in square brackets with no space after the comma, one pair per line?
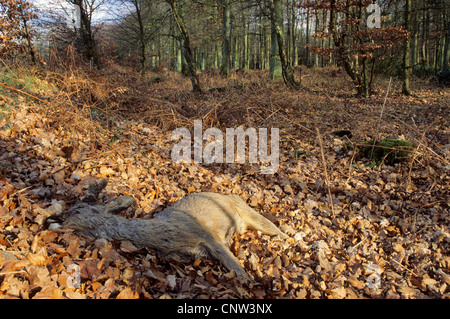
[388,151]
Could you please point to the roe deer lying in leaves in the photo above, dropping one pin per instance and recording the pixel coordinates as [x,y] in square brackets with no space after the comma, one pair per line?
[198,225]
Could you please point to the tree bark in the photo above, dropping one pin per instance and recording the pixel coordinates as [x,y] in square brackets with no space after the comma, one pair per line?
[446,66]
[275,63]
[294,58]
[307,54]
[407,51]
[277,21]
[226,36]
[90,47]
[142,42]
[179,20]
[27,36]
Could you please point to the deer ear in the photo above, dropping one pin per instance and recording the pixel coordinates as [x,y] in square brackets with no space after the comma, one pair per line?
[94,190]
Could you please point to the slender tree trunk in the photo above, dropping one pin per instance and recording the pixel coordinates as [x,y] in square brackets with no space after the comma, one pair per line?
[446,66]
[425,33]
[294,37]
[288,28]
[245,54]
[307,54]
[275,62]
[181,60]
[437,48]
[226,36]
[235,53]
[218,56]
[277,18]
[344,58]
[414,47]
[322,41]
[27,36]
[90,47]
[142,42]
[266,52]
[407,51]
[260,44]
[316,26]
[365,88]
[179,20]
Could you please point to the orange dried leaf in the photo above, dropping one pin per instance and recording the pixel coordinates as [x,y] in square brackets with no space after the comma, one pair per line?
[74,250]
[38,260]
[127,293]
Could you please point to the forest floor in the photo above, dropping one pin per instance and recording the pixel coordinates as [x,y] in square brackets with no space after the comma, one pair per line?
[385,235]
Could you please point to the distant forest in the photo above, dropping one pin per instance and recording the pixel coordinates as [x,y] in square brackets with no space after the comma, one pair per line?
[363,37]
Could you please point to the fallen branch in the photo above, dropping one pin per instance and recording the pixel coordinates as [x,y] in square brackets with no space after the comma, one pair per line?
[24,93]
[327,180]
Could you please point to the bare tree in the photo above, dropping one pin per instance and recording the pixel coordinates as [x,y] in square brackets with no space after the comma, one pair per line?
[86,10]
[15,34]
[179,21]
[226,32]
[139,26]
[277,22]
[407,50]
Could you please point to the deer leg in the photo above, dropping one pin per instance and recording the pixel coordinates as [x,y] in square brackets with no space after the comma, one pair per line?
[256,221]
[119,204]
[259,222]
[224,255]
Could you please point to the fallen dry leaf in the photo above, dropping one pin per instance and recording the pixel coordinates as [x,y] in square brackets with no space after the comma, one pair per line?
[127,293]
[38,260]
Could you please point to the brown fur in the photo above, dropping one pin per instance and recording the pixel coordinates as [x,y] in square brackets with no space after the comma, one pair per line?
[198,225]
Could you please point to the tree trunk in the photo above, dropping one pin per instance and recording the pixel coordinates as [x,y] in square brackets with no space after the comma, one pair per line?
[245,48]
[277,20]
[365,84]
[235,52]
[446,66]
[179,20]
[407,51]
[226,36]
[142,42]
[365,89]
[307,54]
[425,34]
[27,36]
[294,58]
[316,26]
[90,47]
[275,63]
[266,53]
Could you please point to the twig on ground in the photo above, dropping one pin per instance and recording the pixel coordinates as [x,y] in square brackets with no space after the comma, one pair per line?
[327,180]
[24,93]
[375,139]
